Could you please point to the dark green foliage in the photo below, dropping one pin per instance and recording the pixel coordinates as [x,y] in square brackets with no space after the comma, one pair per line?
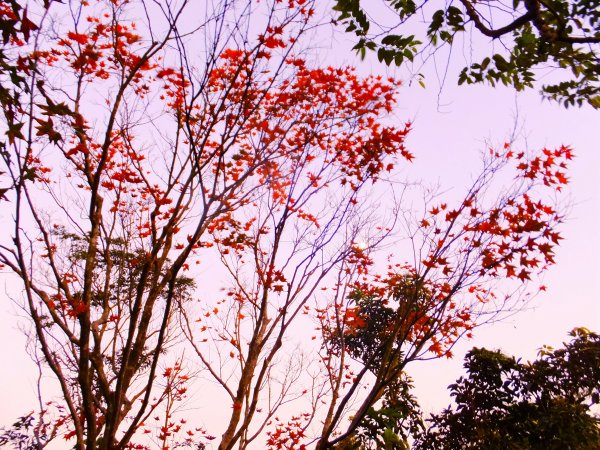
[384,323]
[390,426]
[376,330]
[506,404]
[367,341]
[534,34]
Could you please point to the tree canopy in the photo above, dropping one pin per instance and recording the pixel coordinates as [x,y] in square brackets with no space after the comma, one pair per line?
[532,35]
[504,403]
[208,219]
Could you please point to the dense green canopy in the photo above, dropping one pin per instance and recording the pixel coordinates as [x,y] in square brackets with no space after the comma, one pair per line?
[504,403]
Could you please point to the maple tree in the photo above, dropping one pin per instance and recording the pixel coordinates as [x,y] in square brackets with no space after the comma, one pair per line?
[178,211]
[419,310]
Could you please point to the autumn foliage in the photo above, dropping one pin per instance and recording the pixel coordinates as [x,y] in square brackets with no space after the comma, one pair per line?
[180,212]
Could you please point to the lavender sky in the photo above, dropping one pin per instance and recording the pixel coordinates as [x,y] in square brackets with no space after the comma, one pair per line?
[451,126]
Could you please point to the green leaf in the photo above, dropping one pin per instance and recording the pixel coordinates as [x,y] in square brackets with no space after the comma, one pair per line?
[501,63]
[362,53]
[391,39]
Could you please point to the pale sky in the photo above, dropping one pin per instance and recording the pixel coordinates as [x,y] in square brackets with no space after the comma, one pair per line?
[572,298]
[451,126]
[449,130]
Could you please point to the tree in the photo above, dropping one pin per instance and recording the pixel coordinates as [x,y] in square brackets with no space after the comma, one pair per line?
[532,34]
[505,403]
[390,426]
[128,158]
[180,213]
[384,321]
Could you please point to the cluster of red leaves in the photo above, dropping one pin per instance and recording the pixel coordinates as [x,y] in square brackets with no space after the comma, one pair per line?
[288,435]
[176,380]
[174,89]
[469,247]
[306,108]
[123,179]
[172,432]
[278,127]
[317,129]
[68,308]
[416,308]
[102,50]
[514,238]
[107,50]
[327,117]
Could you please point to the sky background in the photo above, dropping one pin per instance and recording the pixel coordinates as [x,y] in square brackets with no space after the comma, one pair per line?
[447,142]
[450,128]
[452,125]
